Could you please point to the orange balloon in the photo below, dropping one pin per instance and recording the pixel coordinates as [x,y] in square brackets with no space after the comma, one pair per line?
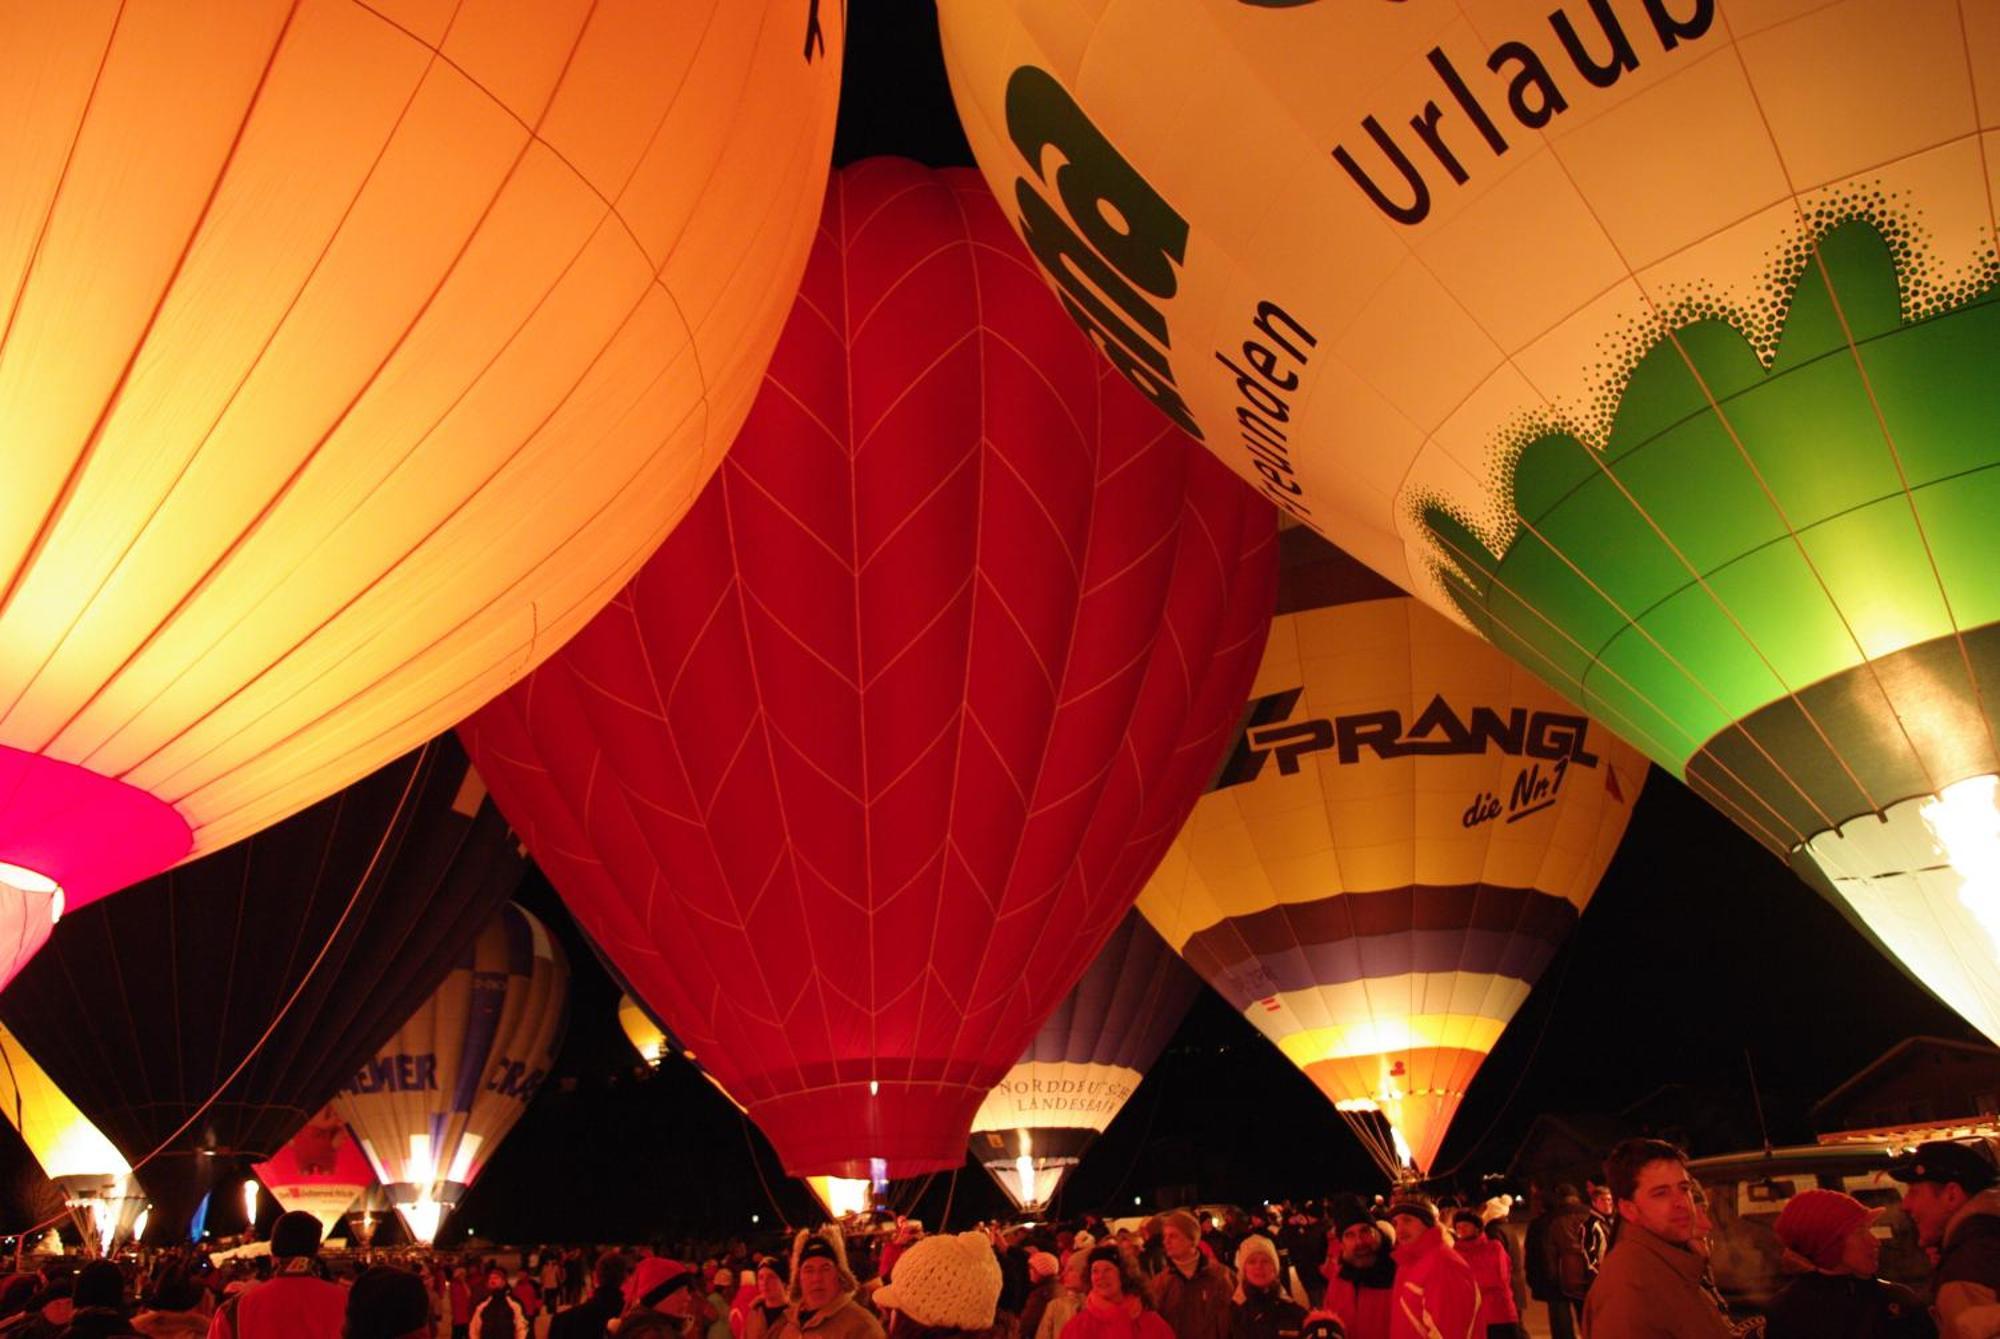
[351,356]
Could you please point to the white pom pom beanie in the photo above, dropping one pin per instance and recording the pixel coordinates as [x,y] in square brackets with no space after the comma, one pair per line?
[946,1282]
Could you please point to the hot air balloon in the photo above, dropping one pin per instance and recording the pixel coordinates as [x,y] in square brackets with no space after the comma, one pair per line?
[339,394]
[319,1171]
[883,741]
[94,1177]
[264,974]
[437,1098]
[1089,1056]
[1650,340]
[1406,828]
[648,1038]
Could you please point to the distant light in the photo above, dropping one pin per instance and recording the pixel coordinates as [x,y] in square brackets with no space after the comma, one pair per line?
[754,1219]
[1135,1201]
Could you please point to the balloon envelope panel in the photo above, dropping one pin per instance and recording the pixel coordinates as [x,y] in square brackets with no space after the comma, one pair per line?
[1649,340]
[341,390]
[888,733]
[1404,832]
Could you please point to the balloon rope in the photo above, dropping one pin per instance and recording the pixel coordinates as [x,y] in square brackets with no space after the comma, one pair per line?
[374,859]
[758,1163]
[1575,950]
[944,1223]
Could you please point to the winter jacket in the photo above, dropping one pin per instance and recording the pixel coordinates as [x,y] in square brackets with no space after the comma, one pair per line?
[588,1319]
[1129,1320]
[97,1322]
[1966,1283]
[1566,1265]
[759,1319]
[1197,1305]
[1266,1313]
[171,1324]
[499,1317]
[1363,1300]
[1650,1288]
[1435,1295]
[1064,1304]
[843,1318]
[1842,1306]
[1493,1270]
[1037,1304]
[290,1306]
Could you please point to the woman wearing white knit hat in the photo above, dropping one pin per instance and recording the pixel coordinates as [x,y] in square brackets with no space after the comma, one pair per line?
[943,1285]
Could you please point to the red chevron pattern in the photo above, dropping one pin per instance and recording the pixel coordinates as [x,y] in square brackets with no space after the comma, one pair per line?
[853,780]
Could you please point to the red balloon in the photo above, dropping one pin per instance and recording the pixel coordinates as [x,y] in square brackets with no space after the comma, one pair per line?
[855,777]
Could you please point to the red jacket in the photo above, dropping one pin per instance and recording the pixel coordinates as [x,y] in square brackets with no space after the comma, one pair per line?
[1095,1320]
[1493,1271]
[1436,1296]
[289,1306]
[1363,1311]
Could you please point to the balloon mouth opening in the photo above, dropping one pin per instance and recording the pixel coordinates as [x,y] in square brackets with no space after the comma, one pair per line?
[35,883]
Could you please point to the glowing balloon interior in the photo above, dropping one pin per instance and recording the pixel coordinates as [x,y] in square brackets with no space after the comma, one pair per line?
[340,393]
[1650,340]
[1084,1063]
[438,1097]
[1405,830]
[320,1171]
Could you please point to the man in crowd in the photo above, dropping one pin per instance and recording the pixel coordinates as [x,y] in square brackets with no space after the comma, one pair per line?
[1192,1293]
[1565,1271]
[1651,1284]
[590,1319]
[1360,1276]
[296,1303]
[1597,1232]
[1435,1293]
[388,1303]
[1956,1210]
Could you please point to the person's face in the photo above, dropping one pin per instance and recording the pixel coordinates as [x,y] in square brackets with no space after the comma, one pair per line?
[1105,1282]
[772,1286]
[1600,1200]
[1178,1244]
[495,1281]
[1663,1202]
[1408,1228]
[1930,1207]
[1465,1230]
[1861,1252]
[819,1282]
[1360,1244]
[1260,1271]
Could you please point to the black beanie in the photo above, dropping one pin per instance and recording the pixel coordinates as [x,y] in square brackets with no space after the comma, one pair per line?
[295,1234]
[99,1283]
[387,1303]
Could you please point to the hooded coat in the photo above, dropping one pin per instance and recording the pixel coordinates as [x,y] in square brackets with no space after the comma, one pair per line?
[1435,1296]
[1967,1282]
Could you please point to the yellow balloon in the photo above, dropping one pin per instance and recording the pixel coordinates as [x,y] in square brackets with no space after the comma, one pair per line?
[1406,830]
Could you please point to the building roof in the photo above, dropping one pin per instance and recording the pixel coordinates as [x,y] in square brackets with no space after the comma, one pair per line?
[1898,1052]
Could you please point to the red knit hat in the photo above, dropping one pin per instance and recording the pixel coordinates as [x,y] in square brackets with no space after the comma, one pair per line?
[1816,1223]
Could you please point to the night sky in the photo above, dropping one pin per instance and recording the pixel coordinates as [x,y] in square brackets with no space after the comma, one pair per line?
[1701,956]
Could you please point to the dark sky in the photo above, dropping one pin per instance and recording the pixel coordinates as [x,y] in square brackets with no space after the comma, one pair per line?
[1699,950]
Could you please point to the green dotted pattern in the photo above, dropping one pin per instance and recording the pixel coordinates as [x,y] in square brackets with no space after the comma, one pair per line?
[1763,515]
